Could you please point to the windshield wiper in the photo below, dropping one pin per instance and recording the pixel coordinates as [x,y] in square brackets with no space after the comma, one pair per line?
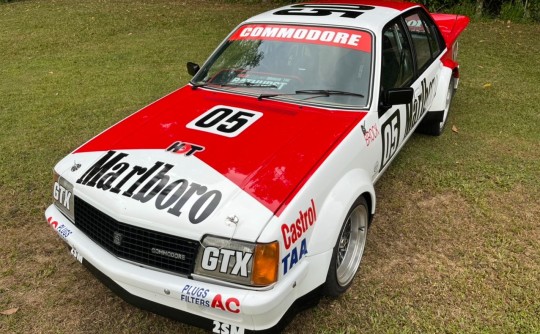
[243,84]
[264,96]
[323,92]
[326,92]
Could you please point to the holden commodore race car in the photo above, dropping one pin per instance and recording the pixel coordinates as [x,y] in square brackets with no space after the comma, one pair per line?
[233,201]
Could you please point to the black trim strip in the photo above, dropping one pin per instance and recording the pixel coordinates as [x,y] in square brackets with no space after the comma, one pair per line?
[435,116]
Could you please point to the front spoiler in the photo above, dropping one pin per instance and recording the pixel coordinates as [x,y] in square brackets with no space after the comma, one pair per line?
[303,303]
[261,311]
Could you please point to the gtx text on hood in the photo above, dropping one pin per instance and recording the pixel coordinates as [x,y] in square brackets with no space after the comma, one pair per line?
[113,175]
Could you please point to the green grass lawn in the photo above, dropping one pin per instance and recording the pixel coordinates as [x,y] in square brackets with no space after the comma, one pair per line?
[455,245]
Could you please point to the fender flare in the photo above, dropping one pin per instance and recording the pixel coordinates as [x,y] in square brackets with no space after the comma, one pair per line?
[439,101]
[334,209]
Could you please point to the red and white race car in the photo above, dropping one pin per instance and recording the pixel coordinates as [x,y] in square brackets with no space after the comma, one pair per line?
[239,197]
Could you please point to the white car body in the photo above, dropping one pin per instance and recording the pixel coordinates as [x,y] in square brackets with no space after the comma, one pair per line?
[288,172]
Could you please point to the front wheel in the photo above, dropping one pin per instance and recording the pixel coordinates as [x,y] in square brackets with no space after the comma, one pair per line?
[348,250]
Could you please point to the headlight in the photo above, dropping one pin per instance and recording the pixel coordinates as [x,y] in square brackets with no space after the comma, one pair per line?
[238,261]
[63,195]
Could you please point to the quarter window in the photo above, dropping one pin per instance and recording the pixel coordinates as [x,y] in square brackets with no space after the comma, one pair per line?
[424,39]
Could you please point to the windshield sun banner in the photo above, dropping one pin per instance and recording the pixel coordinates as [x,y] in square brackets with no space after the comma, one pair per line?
[345,38]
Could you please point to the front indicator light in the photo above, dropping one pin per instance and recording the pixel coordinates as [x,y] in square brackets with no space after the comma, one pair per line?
[239,262]
[265,264]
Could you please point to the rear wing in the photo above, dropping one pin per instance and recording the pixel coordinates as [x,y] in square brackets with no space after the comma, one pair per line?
[451,26]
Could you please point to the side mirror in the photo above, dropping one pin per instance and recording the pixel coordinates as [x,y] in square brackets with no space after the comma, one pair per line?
[192,68]
[394,96]
[398,96]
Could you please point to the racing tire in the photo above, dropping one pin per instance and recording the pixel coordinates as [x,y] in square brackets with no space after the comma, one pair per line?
[436,127]
[348,251]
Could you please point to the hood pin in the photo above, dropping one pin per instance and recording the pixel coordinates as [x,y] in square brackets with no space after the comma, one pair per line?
[75,166]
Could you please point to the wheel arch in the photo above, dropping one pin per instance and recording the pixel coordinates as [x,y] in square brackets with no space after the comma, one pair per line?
[337,203]
[442,88]
[370,199]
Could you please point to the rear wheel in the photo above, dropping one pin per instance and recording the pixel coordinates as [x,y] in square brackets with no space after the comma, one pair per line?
[436,127]
[348,250]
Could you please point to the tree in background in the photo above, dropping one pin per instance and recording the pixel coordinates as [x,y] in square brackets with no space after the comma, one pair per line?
[513,10]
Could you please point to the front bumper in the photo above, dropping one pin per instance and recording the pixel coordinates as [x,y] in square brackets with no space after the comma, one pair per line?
[201,304]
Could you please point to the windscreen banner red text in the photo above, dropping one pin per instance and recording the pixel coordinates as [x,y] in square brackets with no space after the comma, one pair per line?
[345,38]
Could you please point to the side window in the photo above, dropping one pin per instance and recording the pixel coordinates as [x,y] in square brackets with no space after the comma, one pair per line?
[397,64]
[424,38]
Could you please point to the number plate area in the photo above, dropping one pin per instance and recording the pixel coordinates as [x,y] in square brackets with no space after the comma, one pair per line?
[225,121]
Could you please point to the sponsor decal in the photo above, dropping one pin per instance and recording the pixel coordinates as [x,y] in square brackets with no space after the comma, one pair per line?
[392,127]
[53,223]
[196,295]
[417,108]
[225,121]
[345,38]
[76,255]
[390,137]
[291,259]
[227,261]
[61,229]
[61,195]
[186,149]
[293,232]
[371,134]
[223,328]
[229,304]
[253,79]
[145,184]
[414,24]
[344,11]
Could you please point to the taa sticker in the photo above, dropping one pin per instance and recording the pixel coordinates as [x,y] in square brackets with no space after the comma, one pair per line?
[225,121]
[291,259]
[222,328]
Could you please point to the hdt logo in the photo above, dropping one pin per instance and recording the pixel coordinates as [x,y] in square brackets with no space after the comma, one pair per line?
[186,149]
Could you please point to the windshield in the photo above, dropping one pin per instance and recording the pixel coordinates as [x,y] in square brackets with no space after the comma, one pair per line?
[317,65]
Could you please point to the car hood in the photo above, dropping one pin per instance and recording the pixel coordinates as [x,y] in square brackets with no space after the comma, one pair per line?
[152,169]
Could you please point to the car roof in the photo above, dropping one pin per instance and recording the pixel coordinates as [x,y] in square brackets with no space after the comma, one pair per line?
[374,19]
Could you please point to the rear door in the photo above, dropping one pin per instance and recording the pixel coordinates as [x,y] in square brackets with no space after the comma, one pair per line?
[428,46]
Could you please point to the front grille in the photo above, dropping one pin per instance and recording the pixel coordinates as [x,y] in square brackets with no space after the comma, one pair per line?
[136,244]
